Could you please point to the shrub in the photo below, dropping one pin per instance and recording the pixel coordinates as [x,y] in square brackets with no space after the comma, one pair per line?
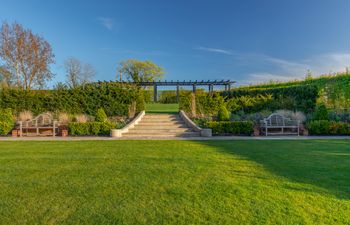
[6,121]
[81,118]
[321,113]
[63,118]
[25,115]
[167,97]
[325,127]
[201,104]
[292,115]
[101,115]
[91,128]
[223,114]
[235,127]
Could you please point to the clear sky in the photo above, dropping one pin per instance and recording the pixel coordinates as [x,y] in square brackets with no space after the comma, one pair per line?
[247,40]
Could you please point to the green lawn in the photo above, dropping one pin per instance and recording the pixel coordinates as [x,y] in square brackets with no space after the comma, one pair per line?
[162,108]
[175,182]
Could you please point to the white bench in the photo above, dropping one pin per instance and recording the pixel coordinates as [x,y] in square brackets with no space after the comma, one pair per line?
[43,122]
[280,123]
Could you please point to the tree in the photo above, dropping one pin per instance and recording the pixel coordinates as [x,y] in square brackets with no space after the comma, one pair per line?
[26,57]
[78,73]
[5,77]
[139,71]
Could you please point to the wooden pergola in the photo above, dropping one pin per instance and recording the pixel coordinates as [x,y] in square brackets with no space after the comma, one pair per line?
[209,83]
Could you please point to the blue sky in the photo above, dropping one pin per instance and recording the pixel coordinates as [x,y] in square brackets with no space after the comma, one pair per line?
[247,41]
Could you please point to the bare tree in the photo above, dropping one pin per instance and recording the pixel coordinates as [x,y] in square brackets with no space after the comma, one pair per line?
[78,73]
[26,56]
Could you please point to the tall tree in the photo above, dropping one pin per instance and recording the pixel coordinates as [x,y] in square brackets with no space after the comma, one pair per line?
[26,56]
[78,73]
[139,71]
[5,77]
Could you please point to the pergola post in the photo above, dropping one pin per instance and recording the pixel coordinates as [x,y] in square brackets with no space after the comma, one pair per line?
[229,87]
[194,88]
[155,93]
[177,93]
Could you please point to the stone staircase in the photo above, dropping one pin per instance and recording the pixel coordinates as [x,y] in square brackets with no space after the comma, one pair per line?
[161,125]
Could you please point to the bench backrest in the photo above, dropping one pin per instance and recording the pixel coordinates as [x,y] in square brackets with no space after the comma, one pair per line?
[276,119]
[41,120]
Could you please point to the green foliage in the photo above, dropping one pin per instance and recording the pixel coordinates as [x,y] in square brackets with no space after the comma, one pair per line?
[114,98]
[254,99]
[139,71]
[167,97]
[334,89]
[101,115]
[321,113]
[91,128]
[234,128]
[249,104]
[6,121]
[206,104]
[325,127]
[223,114]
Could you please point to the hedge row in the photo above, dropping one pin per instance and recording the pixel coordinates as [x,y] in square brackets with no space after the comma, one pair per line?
[91,128]
[233,128]
[325,127]
[297,98]
[114,98]
[203,103]
[6,121]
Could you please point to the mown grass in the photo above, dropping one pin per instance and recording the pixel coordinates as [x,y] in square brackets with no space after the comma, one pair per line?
[162,108]
[175,182]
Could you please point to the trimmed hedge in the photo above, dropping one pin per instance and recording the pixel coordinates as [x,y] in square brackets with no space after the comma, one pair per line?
[325,127]
[114,98]
[91,128]
[233,127]
[296,98]
[205,103]
[6,121]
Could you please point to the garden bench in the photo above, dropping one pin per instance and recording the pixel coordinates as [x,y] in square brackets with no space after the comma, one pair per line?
[280,123]
[43,122]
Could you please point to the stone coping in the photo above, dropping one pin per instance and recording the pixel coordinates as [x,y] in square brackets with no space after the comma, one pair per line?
[136,120]
[191,124]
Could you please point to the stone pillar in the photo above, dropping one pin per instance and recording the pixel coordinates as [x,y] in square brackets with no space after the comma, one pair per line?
[155,93]
[177,93]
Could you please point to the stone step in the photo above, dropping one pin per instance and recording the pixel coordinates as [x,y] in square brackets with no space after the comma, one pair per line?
[148,134]
[159,126]
[160,119]
[159,130]
[157,123]
[161,116]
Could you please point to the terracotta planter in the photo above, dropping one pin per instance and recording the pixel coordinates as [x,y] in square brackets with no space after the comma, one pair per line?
[256,131]
[303,130]
[63,131]
[16,133]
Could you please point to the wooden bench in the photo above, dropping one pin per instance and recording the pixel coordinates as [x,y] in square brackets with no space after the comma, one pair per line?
[280,123]
[43,122]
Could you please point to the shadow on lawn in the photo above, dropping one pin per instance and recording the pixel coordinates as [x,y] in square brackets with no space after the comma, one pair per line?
[323,163]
